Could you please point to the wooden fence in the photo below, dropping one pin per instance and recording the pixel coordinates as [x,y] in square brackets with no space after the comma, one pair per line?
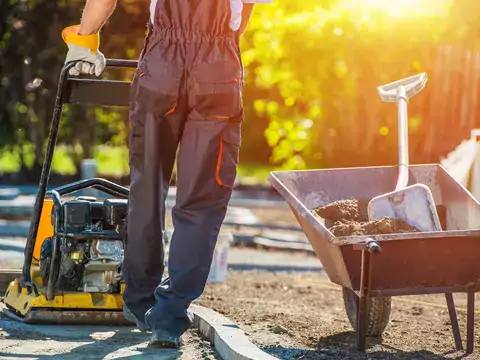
[450,108]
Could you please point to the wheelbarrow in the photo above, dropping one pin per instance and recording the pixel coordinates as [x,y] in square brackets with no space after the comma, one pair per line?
[372,269]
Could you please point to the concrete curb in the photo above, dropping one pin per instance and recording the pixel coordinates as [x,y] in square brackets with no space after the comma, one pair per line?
[227,338]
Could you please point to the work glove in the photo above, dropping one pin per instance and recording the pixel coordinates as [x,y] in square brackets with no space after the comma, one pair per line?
[84,50]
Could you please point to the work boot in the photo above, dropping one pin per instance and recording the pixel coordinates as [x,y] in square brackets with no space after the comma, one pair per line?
[131,317]
[161,338]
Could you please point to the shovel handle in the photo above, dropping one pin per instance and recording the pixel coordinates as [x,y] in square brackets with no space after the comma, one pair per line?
[412,86]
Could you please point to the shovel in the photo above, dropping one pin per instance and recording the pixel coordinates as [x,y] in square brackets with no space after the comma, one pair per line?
[412,204]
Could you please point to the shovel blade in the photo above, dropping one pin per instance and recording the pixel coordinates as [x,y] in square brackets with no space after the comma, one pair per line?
[414,205]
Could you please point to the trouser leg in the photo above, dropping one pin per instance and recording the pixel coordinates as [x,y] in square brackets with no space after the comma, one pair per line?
[207,162]
[154,140]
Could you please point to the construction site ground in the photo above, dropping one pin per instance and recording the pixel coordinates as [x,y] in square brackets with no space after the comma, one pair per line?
[32,342]
[300,315]
[281,299]
[289,314]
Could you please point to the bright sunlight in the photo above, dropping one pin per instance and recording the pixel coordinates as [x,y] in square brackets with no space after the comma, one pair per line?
[405,8]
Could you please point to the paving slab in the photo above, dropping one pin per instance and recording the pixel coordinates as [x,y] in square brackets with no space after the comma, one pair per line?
[255,259]
[224,340]
[23,341]
[243,233]
[14,228]
[11,257]
[240,215]
[18,202]
[9,193]
[15,217]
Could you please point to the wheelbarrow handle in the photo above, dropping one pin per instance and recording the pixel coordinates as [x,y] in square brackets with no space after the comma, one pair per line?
[411,85]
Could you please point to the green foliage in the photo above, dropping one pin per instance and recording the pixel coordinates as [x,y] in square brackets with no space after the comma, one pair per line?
[315,68]
[32,54]
[311,69]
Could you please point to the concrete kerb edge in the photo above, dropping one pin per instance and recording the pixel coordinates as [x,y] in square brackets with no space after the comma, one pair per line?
[227,338]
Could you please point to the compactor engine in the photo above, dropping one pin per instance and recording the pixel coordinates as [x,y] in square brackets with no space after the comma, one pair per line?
[89,257]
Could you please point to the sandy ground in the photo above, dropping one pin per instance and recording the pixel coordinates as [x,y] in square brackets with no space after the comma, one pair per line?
[301,316]
[29,342]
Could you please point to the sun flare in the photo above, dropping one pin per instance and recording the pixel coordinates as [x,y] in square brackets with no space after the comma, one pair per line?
[406,8]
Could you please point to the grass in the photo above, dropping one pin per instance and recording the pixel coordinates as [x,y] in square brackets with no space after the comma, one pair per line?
[113,161]
[8,162]
[254,174]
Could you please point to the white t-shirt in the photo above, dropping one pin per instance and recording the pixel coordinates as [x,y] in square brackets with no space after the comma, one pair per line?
[236,6]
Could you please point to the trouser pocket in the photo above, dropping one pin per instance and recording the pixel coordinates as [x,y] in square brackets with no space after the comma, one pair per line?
[155,92]
[218,89]
[228,155]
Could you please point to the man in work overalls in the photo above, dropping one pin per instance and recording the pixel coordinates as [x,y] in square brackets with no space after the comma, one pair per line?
[186,95]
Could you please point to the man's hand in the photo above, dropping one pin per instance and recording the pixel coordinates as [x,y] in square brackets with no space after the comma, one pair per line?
[83,40]
[91,64]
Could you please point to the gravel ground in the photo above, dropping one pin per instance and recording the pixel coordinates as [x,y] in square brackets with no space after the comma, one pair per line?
[301,316]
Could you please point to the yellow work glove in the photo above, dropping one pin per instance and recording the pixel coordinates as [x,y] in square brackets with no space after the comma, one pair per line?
[84,50]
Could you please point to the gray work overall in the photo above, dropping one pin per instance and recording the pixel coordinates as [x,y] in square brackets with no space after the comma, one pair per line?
[186,96]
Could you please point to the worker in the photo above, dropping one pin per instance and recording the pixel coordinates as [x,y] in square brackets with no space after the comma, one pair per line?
[186,95]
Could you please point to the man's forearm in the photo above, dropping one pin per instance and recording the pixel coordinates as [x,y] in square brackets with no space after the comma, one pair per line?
[246,14]
[95,14]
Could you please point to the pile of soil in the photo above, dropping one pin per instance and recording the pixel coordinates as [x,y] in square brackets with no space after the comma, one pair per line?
[350,217]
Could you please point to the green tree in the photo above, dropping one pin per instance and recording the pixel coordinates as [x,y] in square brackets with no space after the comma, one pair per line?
[315,68]
[32,54]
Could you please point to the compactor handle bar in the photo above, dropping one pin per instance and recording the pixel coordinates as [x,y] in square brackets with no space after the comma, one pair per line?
[47,163]
[120,63]
[411,85]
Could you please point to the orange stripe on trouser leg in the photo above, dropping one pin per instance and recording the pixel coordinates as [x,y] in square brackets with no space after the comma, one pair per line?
[171,110]
[219,162]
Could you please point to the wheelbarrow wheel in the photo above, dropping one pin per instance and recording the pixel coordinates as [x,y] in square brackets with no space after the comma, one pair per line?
[378,309]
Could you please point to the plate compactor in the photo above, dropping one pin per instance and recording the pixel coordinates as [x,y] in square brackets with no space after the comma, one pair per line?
[72,271]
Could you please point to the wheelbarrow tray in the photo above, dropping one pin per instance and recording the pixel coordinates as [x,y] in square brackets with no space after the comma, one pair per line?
[410,263]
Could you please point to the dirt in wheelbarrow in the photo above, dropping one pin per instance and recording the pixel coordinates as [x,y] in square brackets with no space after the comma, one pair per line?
[349,217]
[300,315]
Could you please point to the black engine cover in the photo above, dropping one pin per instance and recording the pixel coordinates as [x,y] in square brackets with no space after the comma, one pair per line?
[76,215]
[115,211]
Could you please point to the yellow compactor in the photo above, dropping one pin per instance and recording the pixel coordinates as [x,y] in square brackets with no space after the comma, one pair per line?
[72,271]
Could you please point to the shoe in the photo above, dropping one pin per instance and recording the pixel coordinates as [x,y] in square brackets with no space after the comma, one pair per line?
[131,317]
[161,338]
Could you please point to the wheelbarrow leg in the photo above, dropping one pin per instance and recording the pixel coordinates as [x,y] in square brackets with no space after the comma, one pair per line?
[454,321]
[470,321]
[362,309]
